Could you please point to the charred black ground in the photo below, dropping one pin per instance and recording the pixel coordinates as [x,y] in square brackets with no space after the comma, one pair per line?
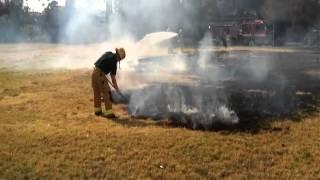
[238,96]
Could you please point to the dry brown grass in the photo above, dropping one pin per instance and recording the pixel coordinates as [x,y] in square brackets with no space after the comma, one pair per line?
[48,131]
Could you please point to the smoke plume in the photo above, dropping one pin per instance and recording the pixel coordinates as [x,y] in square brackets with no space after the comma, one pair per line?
[202,105]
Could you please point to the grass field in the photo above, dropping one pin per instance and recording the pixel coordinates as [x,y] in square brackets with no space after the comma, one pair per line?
[48,131]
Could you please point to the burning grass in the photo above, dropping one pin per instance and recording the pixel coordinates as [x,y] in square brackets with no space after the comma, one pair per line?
[50,132]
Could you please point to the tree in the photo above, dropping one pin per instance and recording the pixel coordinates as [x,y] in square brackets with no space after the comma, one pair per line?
[296,12]
[4,7]
[52,21]
[292,18]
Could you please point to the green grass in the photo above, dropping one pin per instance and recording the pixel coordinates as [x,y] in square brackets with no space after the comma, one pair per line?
[48,131]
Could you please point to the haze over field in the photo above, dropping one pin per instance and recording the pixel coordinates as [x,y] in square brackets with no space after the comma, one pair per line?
[201,98]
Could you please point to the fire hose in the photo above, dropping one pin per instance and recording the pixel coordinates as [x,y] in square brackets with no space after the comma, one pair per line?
[120,94]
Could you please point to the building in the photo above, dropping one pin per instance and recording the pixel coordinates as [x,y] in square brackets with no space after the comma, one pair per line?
[6,6]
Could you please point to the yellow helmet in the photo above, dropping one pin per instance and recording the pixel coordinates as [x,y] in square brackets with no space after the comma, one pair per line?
[121,52]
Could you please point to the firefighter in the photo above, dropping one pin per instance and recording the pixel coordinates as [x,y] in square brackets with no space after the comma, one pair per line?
[223,38]
[106,64]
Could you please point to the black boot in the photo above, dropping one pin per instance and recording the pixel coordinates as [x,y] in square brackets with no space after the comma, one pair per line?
[98,113]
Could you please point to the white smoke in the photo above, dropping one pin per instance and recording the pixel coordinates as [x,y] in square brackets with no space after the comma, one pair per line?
[201,106]
[87,31]
[257,66]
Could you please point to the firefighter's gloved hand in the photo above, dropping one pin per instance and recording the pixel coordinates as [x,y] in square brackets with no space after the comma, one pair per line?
[120,93]
[110,95]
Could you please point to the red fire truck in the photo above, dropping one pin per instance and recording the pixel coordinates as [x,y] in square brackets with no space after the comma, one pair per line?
[244,32]
[256,32]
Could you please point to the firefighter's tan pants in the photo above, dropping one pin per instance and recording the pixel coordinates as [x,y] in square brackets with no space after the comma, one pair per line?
[100,87]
